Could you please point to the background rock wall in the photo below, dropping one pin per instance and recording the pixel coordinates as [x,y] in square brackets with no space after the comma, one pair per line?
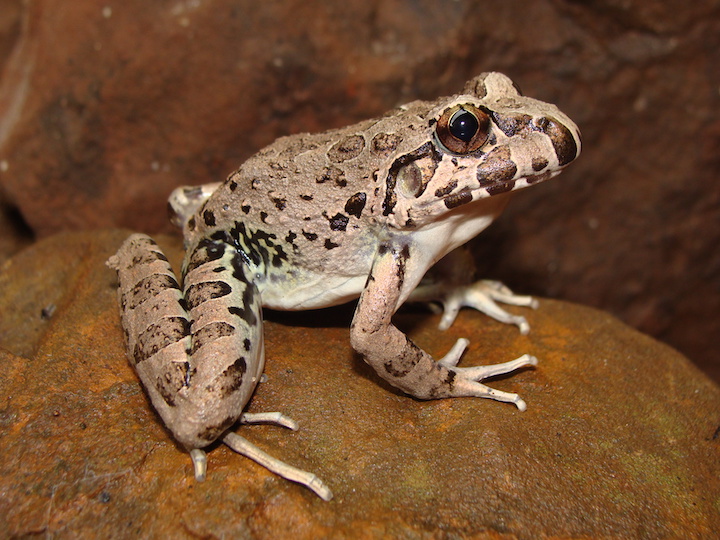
[106,106]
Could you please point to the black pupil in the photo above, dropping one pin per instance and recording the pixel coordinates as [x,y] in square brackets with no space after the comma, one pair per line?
[463,125]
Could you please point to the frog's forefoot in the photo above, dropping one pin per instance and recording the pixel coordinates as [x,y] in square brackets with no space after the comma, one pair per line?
[484,296]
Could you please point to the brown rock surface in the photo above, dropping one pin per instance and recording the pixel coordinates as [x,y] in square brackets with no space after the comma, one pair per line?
[621,437]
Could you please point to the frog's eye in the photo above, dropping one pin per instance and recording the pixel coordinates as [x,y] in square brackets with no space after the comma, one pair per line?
[463,129]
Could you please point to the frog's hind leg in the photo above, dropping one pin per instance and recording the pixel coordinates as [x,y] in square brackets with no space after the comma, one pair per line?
[449,284]
[199,351]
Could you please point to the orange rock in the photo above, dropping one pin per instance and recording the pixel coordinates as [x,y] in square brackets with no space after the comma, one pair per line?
[621,437]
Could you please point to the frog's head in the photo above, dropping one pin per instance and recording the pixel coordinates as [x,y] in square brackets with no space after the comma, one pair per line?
[487,141]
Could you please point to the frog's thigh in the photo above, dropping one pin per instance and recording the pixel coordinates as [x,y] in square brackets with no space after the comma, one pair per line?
[199,365]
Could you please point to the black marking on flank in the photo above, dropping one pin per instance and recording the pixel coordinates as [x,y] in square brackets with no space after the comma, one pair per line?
[310,235]
[263,217]
[206,251]
[329,244]
[159,335]
[306,197]
[290,238]
[209,218]
[256,247]
[247,344]
[355,204]
[233,185]
[245,208]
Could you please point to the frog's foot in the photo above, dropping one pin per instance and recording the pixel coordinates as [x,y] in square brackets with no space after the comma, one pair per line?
[484,296]
[466,381]
[244,447]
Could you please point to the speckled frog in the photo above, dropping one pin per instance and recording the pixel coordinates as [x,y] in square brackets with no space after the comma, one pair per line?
[318,220]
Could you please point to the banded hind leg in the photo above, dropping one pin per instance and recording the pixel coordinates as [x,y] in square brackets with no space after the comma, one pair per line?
[199,351]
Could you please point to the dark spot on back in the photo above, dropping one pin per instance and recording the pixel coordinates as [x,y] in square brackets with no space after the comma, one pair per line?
[209,218]
[355,204]
[339,222]
[349,148]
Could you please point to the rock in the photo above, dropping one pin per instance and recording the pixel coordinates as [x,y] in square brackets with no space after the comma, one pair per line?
[621,437]
[105,107]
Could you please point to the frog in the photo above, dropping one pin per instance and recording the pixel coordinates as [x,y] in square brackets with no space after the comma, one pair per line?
[380,211]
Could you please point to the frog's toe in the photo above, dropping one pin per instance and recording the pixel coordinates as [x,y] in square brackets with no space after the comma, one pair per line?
[484,296]
[467,380]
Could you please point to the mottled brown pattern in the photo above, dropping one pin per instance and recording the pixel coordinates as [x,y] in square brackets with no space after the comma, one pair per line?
[197,293]
[148,287]
[385,144]
[232,377]
[562,141]
[349,148]
[497,167]
[463,196]
[159,335]
[355,204]
[334,175]
[210,333]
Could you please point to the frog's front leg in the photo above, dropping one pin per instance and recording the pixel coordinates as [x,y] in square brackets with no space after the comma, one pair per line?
[402,363]
[198,351]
